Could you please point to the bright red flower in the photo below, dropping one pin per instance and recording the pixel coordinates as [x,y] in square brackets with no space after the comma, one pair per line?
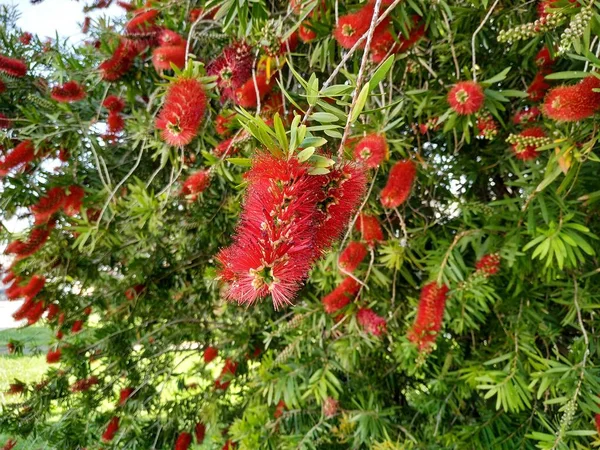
[37,239]
[352,256]
[232,69]
[538,87]
[371,150]
[73,201]
[13,67]
[53,311]
[84,384]
[183,441]
[210,353]
[33,287]
[125,394]
[69,92]
[529,151]
[245,96]
[279,409]
[526,115]
[142,23]
[126,5]
[114,104]
[168,37]
[34,313]
[573,103]
[111,430]
[382,44]
[195,184]
[399,184]
[466,97]
[120,62]
[370,228]
[25,38]
[290,44]
[351,27]
[489,264]
[230,146]
[543,58]
[371,322]
[115,122]
[53,356]
[15,290]
[182,112]
[341,295]
[223,123]
[200,432]
[430,315]
[77,326]
[21,155]
[5,122]
[48,205]
[305,33]
[227,373]
[164,56]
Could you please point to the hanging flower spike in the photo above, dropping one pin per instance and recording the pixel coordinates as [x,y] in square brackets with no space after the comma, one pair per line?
[183,441]
[352,256]
[48,205]
[227,373]
[526,152]
[37,239]
[488,264]
[371,322]
[53,311]
[163,57]
[69,92]
[279,409]
[341,295]
[526,115]
[142,23]
[111,430]
[232,69]
[200,432]
[195,184]
[125,394]
[371,150]
[466,97]
[168,37]
[430,315]
[573,103]
[33,287]
[120,62]
[77,326]
[126,5]
[73,201]
[399,184]
[538,88]
[114,104]
[210,354]
[182,112]
[370,228]
[21,155]
[53,357]
[12,67]
[115,122]
[245,96]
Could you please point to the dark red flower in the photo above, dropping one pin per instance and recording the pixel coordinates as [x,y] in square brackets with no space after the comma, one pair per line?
[86,25]
[543,58]
[12,67]
[77,326]
[125,394]
[69,92]
[163,57]
[528,152]
[48,205]
[120,62]
[111,430]
[183,441]
[195,184]
[182,112]
[573,103]
[229,445]
[64,154]
[53,311]
[279,409]
[232,69]
[466,97]
[84,384]
[33,287]
[227,373]
[10,444]
[371,322]
[21,155]
[5,122]
[53,356]
[114,104]
[115,122]
[59,335]
[430,315]
[15,388]
[352,256]
[210,353]
[200,432]
[526,115]
[245,96]
[538,87]
[126,5]
[25,38]
[370,228]
[134,292]
[341,295]
[371,150]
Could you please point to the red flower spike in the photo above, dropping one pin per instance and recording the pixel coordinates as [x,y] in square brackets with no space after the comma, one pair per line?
[84,385]
[64,155]
[15,388]
[305,33]
[37,239]
[210,353]
[399,184]
[229,445]
[488,264]
[13,67]
[232,69]
[73,201]
[227,373]
[168,37]
[530,151]
[69,92]
[86,25]
[10,444]
[114,104]
[59,335]
[290,44]
[53,311]
[21,155]
[163,57]
[125,394]
[53,357]
[371,322]
[223,123]
[33,288]
[538,87]
[126,5]
[5,122]
[48,205]
[279,409]
[142,23]
[77,326]
[183,441]
[245,96]
[370,228]
[573,103]
[195,184]
[371,150]
[352,256]
[115,122]
[200,432]
[111,430]
[466,97]
[543,58]
[120,62]
[526,115]
[430,315]
[25,38]
[341,295]
[182,112]
[352,26]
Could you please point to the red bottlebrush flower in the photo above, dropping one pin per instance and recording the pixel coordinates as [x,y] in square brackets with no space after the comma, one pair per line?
[290,44]
[142,23]
[487,126]
[488,264]
[73,201]
[200,432]
[168,37]
[64,155]
[430,315]
[538,87]
[382,44]
[352,256]
[351,27]
[195,184]
[86,25]
[114,104]
[229,445]
[10,444]
[10,276]
[53,311]
[84,385]
[182,112]
[125,394]
[227,373]
[229,146]
[371,150]
[5,122]
[87,310]
[25,38]
[526,115]
[370,228]
[224,122]
[543,58]
[573,103]
[466,97]
[77,326]
[183,441]
[528,152]
[35,285]
[232,69]
[330,407]
[162,57]
[279,409]
[12,67]
[21,155]
[61,318]
[134,292]
[245,96]
[111,430]
[15,388]
[597,420]
[341,295]
[14,291]
[371,322]
[69,92]
[210,353]
[37,239]
[53,357]
[305,33]
[126,5]
[120,62]
[115,122]
[59,335]
[48,205]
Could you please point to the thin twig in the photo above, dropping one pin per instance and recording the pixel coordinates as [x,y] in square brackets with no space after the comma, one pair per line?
[479,28]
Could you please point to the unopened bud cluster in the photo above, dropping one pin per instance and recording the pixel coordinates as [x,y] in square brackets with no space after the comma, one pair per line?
[285,353]
[529,30]
[523,142]
[39,101]
[575,29]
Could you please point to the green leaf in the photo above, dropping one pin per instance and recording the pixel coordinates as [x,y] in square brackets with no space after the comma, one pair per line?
[323,117]
[570,74]
[242,162]
[496,78]
[360,103]
[305,154]
[312,90]
[280,131]
[381,72]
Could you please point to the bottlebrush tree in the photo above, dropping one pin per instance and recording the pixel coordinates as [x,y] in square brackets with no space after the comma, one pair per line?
[316,224]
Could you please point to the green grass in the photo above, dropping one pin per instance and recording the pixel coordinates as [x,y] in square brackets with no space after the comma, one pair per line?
[32,337]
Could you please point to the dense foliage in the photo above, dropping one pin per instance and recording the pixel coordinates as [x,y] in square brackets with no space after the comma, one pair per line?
[310,225]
